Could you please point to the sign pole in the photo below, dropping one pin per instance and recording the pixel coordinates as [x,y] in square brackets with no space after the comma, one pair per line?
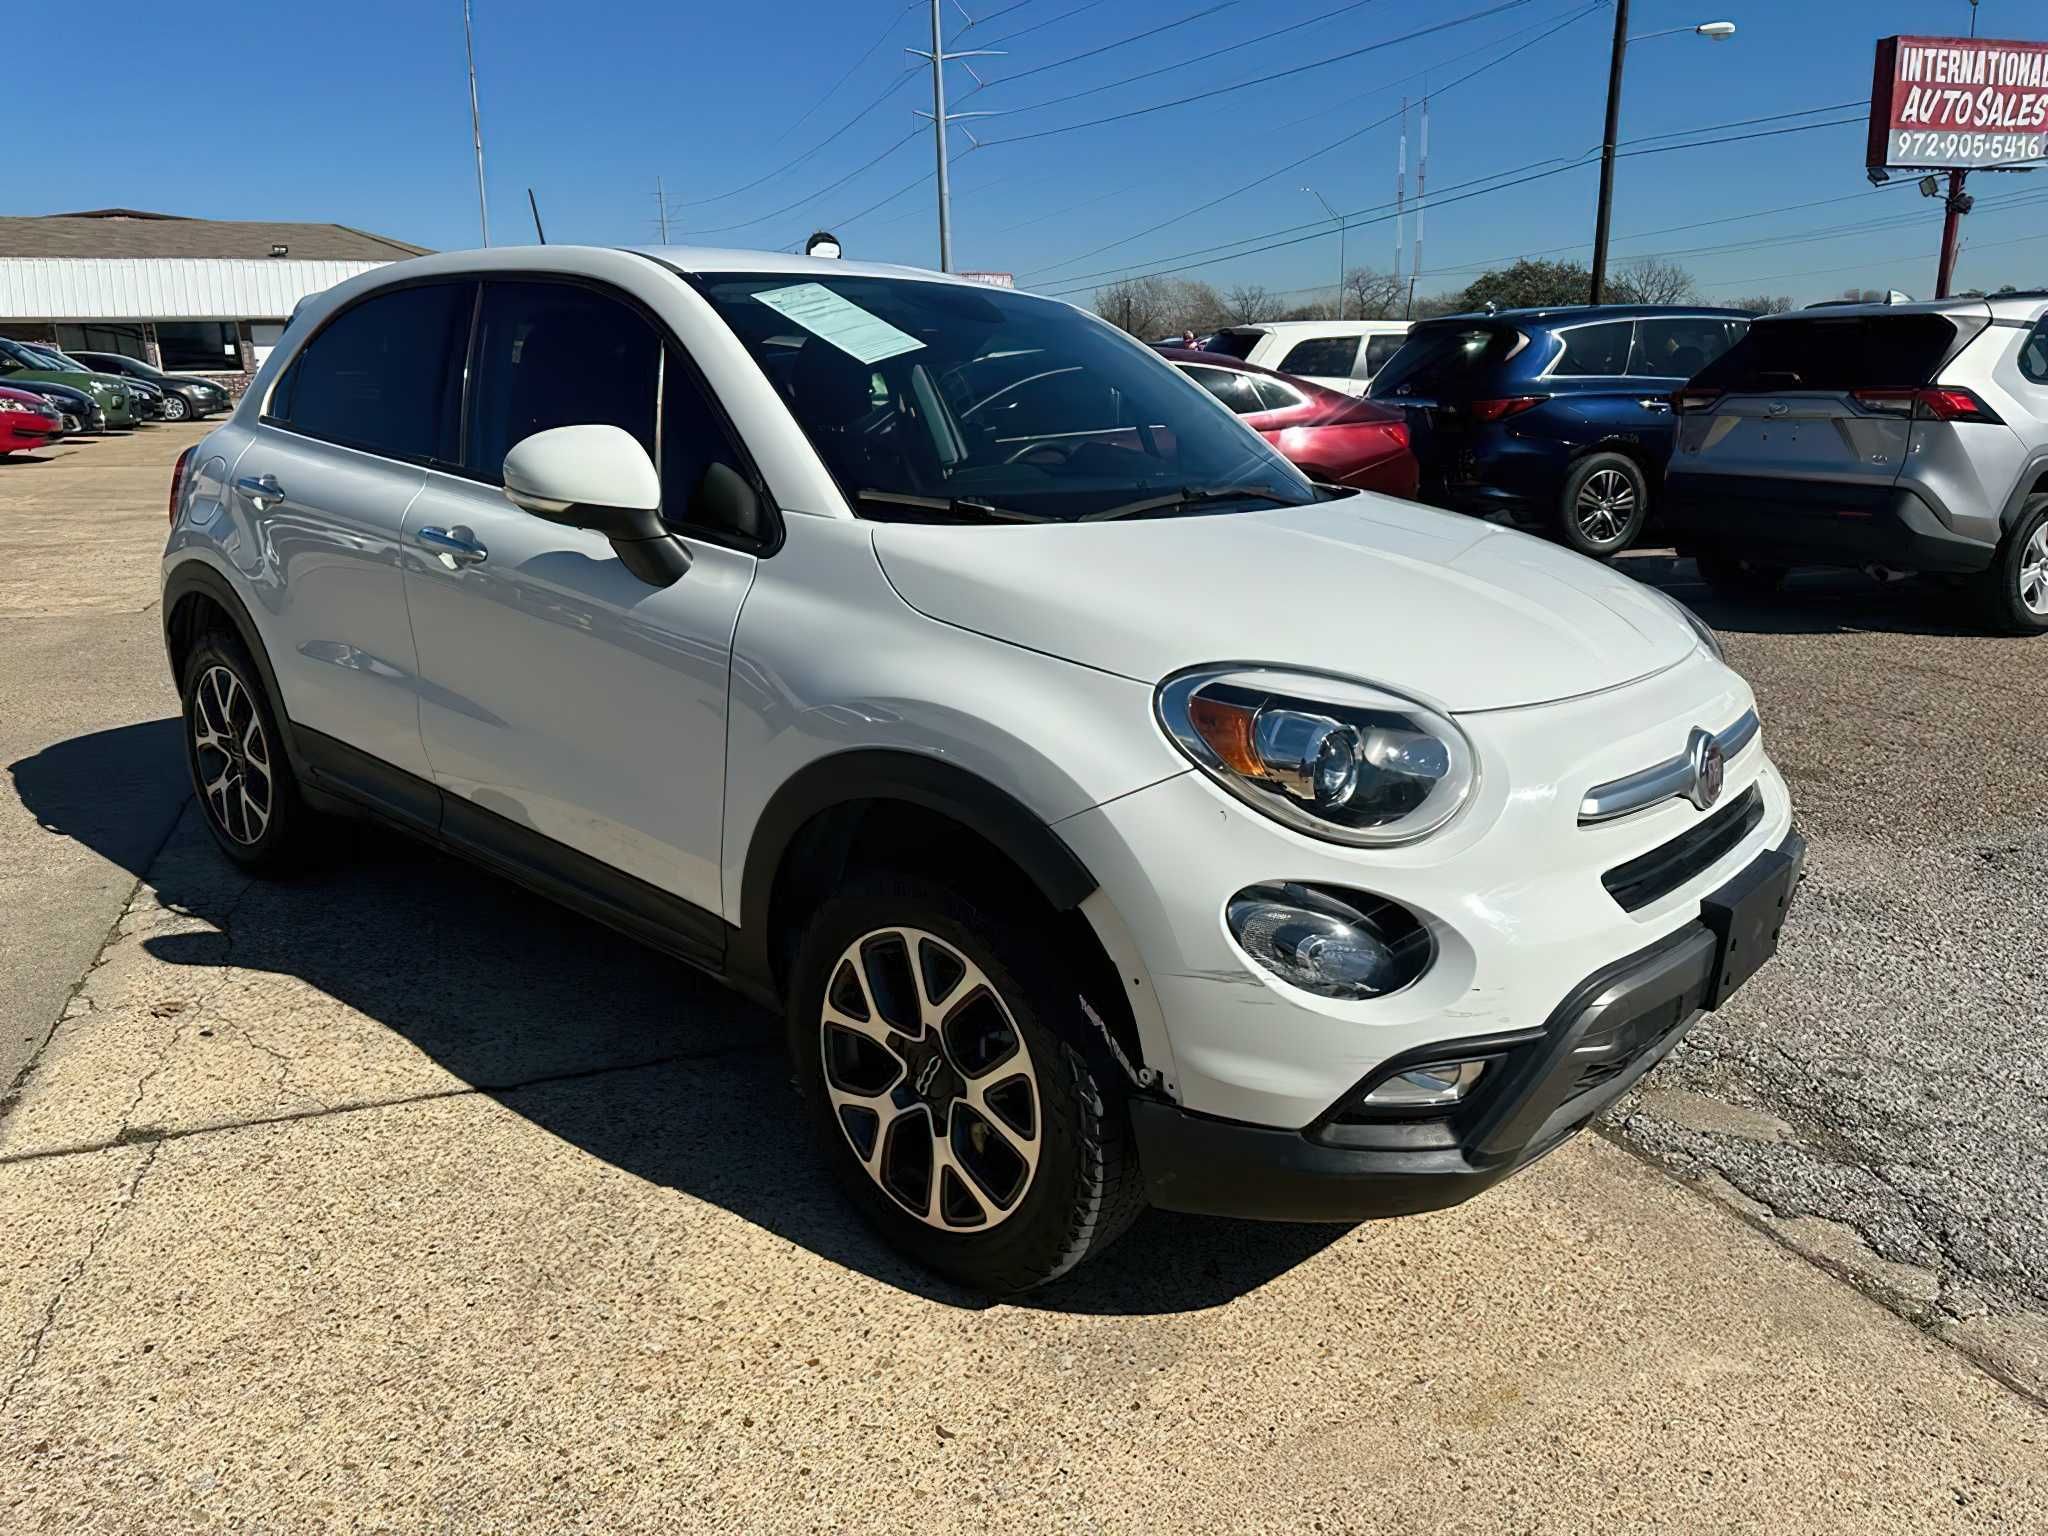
[1951,232]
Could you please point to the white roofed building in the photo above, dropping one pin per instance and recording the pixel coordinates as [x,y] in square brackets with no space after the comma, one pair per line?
[206,296]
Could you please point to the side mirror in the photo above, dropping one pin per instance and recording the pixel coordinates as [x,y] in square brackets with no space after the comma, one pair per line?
[600,478]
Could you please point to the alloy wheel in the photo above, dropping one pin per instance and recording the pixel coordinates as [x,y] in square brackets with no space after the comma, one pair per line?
[233,756]
[2034,572]
[1605,506]
[930,1079]
[174,408]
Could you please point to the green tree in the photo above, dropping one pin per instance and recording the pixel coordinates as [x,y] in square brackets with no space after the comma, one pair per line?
[1529,284]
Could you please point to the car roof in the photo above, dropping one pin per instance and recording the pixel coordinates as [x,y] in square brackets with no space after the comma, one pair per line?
[1576,314]
[711,261]
[2024,303]
[1320,327]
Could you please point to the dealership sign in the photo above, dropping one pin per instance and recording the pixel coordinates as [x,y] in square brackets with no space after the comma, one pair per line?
[1943,102]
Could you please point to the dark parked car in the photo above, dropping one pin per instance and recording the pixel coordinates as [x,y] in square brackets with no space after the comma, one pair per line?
[1330,436]
[1559,419]
[23,367]
[186,396]
[79,411]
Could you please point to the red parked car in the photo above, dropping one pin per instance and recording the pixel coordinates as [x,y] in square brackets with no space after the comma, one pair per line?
[1330,437]
[24,421]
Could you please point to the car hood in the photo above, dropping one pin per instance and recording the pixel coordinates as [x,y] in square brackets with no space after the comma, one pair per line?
[1458,612]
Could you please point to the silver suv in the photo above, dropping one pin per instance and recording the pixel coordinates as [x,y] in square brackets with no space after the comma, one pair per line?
[1908,437]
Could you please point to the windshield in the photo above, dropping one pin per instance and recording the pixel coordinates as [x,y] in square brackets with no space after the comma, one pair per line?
[967,399]
[1438,358]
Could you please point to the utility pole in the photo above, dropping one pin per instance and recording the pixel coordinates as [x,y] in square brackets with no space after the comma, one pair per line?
[1421,206]
[1400,196]
[1956,205]
[939,116]
[1599,285]
[661,209]
[476,125]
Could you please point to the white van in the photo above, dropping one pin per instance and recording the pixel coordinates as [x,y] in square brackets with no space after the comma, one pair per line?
[1337,354]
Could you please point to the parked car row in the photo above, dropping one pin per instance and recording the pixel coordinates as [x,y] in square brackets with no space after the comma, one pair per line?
[1899,437]
[57,394]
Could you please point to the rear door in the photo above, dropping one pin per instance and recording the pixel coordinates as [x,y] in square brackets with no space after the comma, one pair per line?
[1433,378]
[1813,397]
[322,491]
[1326,360]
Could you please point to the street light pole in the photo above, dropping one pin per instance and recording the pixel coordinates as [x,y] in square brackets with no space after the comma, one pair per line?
[1333,213]
[1607,138]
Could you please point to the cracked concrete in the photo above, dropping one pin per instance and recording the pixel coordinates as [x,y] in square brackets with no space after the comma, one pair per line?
[1899,1041]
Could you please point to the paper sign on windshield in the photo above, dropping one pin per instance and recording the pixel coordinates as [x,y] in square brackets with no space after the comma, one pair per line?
[846,325]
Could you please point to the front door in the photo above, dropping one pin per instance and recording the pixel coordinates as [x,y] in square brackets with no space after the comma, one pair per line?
[562,698]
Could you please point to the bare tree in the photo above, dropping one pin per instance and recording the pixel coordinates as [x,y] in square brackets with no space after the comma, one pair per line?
[1647,280]
[1152,308]
[1763,303]
[1371,295]
[1248,304]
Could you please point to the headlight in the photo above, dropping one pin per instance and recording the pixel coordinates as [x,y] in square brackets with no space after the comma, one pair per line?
[1699,625]
[1330,757]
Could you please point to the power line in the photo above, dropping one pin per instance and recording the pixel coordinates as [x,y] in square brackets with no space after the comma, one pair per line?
[1082,283]
[1317,153]
[1283,74]
[902,79]
[865,165]
[1167,69]
[1122,42]
[1036,26]
[975,21]
[893,23]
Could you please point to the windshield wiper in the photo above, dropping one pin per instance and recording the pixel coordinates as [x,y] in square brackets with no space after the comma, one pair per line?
[965,507]
[1188,496]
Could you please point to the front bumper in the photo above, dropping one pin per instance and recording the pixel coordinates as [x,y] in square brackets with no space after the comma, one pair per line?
[1542,1087]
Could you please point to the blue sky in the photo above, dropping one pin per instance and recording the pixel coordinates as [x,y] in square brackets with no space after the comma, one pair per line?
[359,114]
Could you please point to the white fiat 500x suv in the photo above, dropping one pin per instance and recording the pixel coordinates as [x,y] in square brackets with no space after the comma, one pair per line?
[1112,814]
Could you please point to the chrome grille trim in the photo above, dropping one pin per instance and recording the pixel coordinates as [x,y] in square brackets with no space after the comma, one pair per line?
[1668,780]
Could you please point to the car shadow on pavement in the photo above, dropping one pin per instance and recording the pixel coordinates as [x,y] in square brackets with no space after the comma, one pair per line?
[624,1053]
[1812,602]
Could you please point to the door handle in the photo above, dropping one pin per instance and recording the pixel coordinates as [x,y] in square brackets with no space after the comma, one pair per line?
[260,489]
[1654,404]
[455,546]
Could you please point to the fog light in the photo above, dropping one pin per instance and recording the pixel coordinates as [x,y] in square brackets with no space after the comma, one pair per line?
[1312,939]
[1439,1083]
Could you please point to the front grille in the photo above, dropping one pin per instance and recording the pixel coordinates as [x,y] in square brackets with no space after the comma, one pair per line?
[1651,876]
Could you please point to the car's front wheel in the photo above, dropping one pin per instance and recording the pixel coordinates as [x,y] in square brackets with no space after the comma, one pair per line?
[175,408]
[2014,593]
[1606,502]
[932,1041]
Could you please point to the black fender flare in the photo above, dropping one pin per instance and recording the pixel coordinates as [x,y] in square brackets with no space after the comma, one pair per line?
[190,578]
[890,774]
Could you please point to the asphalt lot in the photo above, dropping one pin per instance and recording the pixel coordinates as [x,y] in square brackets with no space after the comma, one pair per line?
[388,1198]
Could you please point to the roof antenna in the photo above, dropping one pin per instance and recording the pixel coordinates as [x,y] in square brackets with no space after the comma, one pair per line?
[536,216]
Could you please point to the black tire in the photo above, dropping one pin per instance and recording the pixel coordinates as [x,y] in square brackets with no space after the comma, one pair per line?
[1734,577]
[2013,594]
[1085,1188]
[1605,504]
[224,699]
[175,408]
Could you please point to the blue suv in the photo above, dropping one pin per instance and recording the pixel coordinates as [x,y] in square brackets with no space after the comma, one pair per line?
[1558,419]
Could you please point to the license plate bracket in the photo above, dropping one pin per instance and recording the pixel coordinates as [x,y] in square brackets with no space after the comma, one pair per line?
[1747,915]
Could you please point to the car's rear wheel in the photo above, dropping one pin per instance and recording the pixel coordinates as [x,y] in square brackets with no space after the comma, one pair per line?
[1606,501]
[931,1041]
[175,408]
[1733,576]
[2013,594]
[235,751]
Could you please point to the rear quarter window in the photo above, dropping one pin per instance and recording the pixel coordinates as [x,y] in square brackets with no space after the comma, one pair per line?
[2034,355]
[1824,353]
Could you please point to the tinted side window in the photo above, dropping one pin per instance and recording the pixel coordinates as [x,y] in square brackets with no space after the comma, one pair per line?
[1233,389]
[2034,355]
[1378,349]
[693,438]
[557,355]
[1274,395]
[1591,350]
[1678,348]
[1328,357]
[1237,344]
[1818,352]
[385,376]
